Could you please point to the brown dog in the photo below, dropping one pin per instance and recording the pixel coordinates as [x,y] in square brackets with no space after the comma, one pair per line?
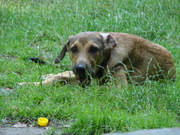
[128,58]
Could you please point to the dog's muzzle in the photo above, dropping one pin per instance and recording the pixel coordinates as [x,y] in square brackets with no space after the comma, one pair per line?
[83,72]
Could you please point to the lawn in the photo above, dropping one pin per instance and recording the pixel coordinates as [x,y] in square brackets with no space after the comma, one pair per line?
[39,28]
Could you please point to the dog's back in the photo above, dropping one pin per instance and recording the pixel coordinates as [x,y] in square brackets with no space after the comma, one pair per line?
[142,58]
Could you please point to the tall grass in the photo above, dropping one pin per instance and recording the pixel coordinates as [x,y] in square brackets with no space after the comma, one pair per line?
[39,28]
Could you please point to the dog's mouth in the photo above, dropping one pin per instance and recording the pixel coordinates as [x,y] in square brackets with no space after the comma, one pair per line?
[83,73]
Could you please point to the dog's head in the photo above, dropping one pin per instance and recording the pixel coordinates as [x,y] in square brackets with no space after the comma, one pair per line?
[88,51]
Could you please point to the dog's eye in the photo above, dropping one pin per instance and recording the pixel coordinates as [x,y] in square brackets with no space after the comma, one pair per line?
[74,49]
[93,49]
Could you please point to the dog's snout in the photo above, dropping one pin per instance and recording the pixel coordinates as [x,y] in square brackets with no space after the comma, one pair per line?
[80,69]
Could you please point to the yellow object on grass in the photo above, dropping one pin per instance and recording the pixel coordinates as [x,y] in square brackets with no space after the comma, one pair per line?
[42,121]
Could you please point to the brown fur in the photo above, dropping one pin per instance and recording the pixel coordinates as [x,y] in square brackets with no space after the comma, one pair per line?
[127,57]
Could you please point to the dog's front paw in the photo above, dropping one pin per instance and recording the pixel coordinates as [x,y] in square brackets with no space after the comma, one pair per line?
[32,83]
[21,84]
[45,77]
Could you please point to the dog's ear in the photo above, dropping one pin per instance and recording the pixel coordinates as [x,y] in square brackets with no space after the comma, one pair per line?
[62,53]
[109,40]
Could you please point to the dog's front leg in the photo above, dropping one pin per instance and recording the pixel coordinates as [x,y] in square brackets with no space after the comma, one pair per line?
[120,76]
[64,77]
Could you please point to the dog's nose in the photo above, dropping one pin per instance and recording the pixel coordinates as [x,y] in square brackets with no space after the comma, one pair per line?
[80,69]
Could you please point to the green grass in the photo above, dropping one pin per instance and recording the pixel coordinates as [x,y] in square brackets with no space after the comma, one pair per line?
[39,28]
